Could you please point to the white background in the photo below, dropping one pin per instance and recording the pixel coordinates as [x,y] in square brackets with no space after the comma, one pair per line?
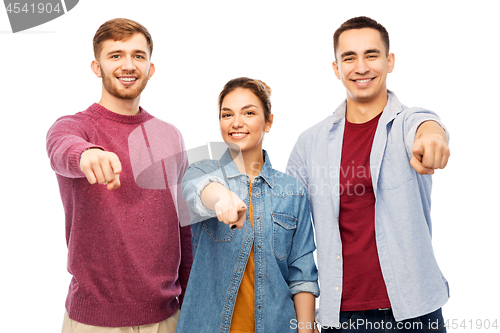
[446,60]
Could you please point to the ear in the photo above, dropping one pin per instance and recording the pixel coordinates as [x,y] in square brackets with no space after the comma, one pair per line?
[336,69]
[96,68]
[151,69]
[391,60]
[269,123]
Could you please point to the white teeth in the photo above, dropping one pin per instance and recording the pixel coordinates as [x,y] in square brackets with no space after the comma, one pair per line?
[363,81]
[238,134]
[127,79]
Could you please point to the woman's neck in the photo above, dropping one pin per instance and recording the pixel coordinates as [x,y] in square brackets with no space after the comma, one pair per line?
[249,163]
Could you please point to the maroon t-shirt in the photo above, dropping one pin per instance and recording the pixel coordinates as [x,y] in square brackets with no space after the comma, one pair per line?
[363,284]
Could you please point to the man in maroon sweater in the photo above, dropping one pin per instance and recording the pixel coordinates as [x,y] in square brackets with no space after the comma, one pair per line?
[127,254]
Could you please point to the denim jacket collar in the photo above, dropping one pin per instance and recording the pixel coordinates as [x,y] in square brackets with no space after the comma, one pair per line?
[232,170]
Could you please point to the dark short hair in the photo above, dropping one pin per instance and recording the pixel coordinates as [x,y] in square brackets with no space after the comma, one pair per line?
[119,29]
[360,22]
[257,87]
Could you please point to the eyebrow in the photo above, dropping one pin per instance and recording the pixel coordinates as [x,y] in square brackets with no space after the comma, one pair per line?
[122,51]
[347,53]
[350,53]
[246,107]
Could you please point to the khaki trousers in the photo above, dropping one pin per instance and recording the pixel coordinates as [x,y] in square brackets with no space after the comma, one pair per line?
[166,326]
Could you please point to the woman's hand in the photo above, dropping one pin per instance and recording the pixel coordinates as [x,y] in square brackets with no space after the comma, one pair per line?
[229,208]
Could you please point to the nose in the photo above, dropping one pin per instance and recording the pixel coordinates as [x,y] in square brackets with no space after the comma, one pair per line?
[128,64]
[237,121]
[361,66]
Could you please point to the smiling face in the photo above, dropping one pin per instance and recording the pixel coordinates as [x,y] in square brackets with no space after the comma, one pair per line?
[362,64]
[242,120]
[124,67]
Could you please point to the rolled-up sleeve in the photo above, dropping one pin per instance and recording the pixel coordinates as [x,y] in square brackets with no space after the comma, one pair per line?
[197,177]
[303,274]
[304,286]
[201,209]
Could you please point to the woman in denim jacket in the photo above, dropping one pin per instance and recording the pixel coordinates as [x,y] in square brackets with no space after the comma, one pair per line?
[254,272]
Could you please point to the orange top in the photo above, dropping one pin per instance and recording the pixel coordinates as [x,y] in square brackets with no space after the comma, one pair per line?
[243,320]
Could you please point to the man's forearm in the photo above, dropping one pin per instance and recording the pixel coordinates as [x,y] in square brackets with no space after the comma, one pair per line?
[429,129]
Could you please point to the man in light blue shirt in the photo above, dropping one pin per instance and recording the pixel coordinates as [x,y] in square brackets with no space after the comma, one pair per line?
[374,203]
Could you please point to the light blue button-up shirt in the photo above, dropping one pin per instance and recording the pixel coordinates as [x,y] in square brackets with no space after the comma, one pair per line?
[403,230]
[283,241]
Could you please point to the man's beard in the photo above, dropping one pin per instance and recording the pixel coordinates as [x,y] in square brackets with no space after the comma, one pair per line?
[108,81]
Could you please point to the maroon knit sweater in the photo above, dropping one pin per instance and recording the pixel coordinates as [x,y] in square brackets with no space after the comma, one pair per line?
[128,256]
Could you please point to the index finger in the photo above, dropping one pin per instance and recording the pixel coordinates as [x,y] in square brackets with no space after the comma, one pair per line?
[242,207]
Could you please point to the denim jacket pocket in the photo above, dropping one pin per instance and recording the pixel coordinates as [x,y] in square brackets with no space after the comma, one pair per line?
[283,229]
[218,231]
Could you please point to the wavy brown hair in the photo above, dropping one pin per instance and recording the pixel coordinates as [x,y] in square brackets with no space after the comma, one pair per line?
[257,87]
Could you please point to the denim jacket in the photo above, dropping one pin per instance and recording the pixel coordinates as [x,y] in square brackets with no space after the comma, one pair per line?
[414,282]
[283,241]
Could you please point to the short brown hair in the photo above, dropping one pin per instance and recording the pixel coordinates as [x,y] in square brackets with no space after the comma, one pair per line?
[360,22]
[119,29]
[257,87]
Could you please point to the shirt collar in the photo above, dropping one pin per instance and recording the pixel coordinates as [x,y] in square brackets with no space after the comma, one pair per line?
[232,171]
[392,108]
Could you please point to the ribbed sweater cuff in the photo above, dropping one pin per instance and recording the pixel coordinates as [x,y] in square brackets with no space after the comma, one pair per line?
[74,158]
